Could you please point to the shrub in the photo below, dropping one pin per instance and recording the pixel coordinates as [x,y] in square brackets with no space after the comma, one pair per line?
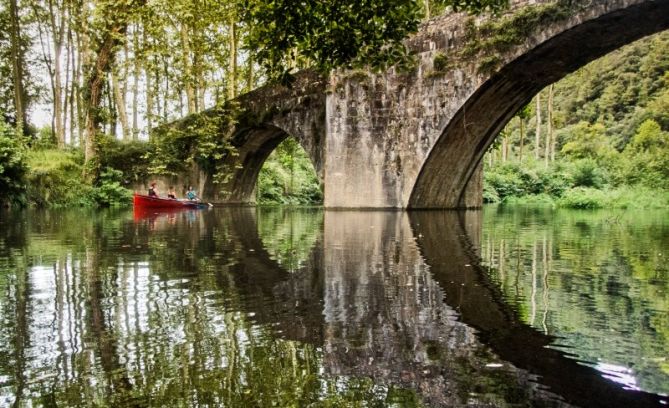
[128,157]
[441,62]
[109,191]
[12,165]
[533,199]
[55,179]
[587,173]
[583,198]
[490,195]
[555,181]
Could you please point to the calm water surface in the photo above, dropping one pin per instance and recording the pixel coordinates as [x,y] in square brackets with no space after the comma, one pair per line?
[269,307]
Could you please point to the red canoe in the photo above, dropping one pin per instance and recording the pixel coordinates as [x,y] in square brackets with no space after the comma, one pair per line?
[144,201]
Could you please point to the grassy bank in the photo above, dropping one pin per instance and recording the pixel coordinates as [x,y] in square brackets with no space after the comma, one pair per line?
[591,198]
[55,179]
[582,184]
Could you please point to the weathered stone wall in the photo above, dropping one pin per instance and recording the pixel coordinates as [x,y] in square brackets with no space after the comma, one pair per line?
[416,139]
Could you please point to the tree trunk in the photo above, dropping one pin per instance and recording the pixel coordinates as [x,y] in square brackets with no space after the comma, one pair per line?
[551,130]
[17,66]
[135,84]
[57,19]
[188,70]
[537,135]
[95,84]
[522,139]
[69,62]
[505,148]
[549,126]
[232,66]
[119,98]
[74,92]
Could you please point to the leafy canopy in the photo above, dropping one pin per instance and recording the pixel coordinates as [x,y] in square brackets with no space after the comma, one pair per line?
[286,34]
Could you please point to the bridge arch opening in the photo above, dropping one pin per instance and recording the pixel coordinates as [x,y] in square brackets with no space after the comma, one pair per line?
[451,174]
[288,177]
[272,167]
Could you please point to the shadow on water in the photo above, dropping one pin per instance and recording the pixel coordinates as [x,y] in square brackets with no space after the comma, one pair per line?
[243,306]
[450,243]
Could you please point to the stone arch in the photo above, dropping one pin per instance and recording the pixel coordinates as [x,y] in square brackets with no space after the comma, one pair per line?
[267,116]
[450,175]
[254,146]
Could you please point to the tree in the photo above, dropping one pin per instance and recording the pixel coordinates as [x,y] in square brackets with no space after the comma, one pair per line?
[549,152]
[588,141]
[522,115]
[109,27]
[342,34]
[537,134]
[18,60]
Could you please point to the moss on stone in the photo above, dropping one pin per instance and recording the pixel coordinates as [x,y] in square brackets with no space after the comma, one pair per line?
[492,38]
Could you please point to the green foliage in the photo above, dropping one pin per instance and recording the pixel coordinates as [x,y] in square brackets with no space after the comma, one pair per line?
[646,157]
[583,198]
[55,179]
[109,192]
[612,133]
[587,141]
[516,180]
[127,156]
[587,173]
[204,139]
[288,177]
[624,198]
[12,164]
[344,34]
[45,139]
[441,62]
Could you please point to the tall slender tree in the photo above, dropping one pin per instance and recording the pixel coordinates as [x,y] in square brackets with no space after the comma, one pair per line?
[537,134]
[18,61]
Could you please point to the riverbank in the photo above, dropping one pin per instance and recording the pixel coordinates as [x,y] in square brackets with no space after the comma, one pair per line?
[580,184]
[54,179]
[590,198]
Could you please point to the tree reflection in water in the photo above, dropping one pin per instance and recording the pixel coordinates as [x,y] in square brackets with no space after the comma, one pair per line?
[245,307]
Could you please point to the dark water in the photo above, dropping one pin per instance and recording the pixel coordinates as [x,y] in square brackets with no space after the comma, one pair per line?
[270,307]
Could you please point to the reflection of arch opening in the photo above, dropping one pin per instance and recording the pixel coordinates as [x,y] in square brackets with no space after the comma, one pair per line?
[453,162]
[253,148]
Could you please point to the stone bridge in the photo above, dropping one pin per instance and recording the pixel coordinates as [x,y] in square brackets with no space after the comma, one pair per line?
[415,137]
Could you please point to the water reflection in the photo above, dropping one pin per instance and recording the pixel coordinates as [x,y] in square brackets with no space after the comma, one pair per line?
[596,280]
[238,307]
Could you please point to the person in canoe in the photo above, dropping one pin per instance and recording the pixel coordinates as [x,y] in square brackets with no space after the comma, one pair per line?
[191,195]
[172,194]
[153,192]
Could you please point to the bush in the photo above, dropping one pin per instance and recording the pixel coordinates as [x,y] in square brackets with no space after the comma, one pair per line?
[555,181]
[55,179]
[109,191]
[12,165]
[490,195]
[534,199]
[583,198]
[45,139]
[587,173]
[128,157]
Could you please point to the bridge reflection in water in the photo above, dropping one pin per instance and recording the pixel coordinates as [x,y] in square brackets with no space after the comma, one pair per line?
[258,307]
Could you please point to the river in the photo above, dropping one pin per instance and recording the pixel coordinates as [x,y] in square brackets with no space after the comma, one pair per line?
[303,307]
